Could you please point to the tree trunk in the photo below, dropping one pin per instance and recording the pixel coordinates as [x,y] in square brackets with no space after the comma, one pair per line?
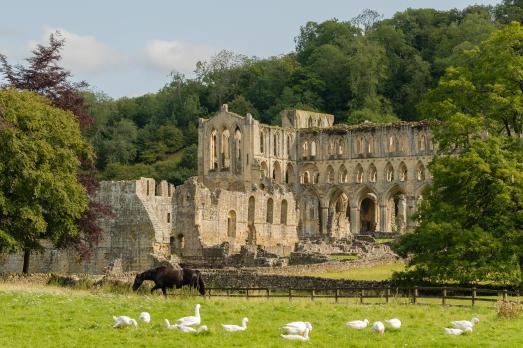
[27,255]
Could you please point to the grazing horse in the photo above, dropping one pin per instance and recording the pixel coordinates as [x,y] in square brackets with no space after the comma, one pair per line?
[167,277]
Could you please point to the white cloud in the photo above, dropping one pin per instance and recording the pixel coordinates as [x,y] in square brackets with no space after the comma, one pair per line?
[84,53]
[175,55]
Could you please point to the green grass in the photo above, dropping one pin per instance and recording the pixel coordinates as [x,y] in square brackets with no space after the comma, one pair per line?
[378,272]
[53,317]
[343,257]
[384,240]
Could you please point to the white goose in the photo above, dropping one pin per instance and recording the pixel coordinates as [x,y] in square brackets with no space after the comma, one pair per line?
[191,320]
[378,327]
[456,332]
[145,317]
[463,324]
[305,336]
[234,328]
[188,329]
[358,324]
[394,323]
[123,321]
[297,327]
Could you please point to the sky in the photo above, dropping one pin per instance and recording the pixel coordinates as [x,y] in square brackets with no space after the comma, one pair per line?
[128,48]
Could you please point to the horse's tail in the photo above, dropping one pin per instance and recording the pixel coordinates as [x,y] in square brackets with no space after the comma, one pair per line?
[201,284]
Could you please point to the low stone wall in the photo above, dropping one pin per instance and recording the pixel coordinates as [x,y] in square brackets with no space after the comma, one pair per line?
[252,279]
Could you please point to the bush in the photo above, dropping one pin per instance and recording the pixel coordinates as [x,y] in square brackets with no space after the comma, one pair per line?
[509,309]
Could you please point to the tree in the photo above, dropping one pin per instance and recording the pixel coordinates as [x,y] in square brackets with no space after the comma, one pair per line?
[40,194]
[44,76]
[471,223]
[366,20]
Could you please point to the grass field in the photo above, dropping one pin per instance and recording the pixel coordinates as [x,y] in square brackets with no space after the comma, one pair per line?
[378,272]
[56,317]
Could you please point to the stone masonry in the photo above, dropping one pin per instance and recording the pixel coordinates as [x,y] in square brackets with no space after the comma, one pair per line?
[261,189]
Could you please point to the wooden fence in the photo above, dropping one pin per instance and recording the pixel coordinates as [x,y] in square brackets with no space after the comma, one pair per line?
[414,295]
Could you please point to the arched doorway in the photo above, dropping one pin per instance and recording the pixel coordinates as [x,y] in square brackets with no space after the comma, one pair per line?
[368,214]
[251,230]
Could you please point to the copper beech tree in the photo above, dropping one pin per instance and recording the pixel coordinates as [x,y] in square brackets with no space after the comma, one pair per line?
[43,75]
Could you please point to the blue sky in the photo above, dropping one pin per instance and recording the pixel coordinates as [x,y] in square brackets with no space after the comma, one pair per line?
[128,48]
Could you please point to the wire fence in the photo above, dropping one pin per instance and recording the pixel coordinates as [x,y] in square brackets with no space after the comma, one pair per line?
[446,296]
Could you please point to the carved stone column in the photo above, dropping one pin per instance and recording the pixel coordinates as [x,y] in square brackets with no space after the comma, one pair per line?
[324,219]
[355,220]
[383,218]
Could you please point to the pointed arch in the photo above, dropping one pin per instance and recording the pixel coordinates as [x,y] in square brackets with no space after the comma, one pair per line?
[370,144]
[262,142]
[283,215]
[237,143]
[313,148]
[341,147]
[309,122]
[420,171]
[225,151]
[403,173]
[213,150]
[359,174]
[264,170]
[360,144]
[331,150]
[389,172]
[276,172]
[289,142]
[305,149]
[372,173]
[251,210]
[270,211]
[289,174]
[343,174]
[330,175]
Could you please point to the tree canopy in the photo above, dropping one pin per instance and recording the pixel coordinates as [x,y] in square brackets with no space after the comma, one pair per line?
[40,195]
[471,226]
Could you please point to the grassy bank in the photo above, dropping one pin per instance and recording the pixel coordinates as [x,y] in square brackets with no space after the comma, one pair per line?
[56,317]
[378,272]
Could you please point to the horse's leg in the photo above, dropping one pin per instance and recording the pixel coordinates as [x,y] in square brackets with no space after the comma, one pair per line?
[164,290]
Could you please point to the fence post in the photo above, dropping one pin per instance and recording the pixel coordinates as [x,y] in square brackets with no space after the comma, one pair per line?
[228,292]
[444,296]
[247,293]
[336,294]
[290,294]
[362,293]
[473,296]
[209,292]
[415,294]
[312,295]
[268,293]
[387,294]
[505,293]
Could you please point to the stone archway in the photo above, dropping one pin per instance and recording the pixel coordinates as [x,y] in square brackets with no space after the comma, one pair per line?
[338,225]
[396,210]
[368,215]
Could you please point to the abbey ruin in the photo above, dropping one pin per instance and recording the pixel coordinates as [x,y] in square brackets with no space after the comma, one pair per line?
[262,190]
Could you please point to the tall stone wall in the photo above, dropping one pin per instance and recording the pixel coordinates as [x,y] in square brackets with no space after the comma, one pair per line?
[138,234]
[206,218]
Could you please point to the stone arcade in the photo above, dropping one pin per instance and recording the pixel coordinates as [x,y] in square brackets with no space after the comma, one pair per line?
[261,189]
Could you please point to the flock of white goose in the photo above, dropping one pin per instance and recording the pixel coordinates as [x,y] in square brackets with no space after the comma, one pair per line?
[296,331]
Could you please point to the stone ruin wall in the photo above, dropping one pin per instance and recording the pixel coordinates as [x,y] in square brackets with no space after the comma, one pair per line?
[207,218]
[138,235]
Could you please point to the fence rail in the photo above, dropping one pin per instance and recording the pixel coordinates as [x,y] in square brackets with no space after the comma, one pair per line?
[414,294]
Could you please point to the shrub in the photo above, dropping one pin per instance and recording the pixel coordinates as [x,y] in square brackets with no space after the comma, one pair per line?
[509,309]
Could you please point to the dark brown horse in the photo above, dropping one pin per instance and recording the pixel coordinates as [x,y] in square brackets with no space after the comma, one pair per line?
[167,277]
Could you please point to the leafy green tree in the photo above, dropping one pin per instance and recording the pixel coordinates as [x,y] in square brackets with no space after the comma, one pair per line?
[120,147]
[241,106]
[509,11]
[471,224]
[117,171]
[40,195]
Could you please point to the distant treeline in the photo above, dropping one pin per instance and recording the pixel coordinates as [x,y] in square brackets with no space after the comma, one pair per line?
[367,68]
